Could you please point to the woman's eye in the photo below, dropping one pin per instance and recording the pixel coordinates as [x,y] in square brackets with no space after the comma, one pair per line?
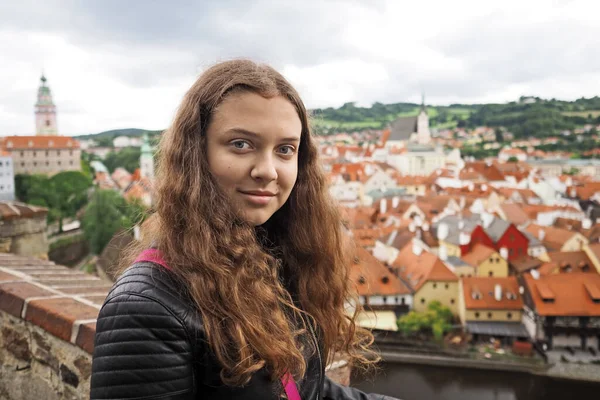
[287,150]
[240,144]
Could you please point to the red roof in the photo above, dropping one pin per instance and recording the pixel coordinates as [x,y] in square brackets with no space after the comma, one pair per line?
[10,143]
[479,293]
[565,294]
[373,278]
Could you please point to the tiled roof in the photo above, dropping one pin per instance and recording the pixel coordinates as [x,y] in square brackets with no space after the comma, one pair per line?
[16,210]
[576,260]
[479,293]
[11,143]
[375,277]
[478,254]
[402,128]
[565,294]
[418,269]
[514,213]
[489,171]
[554,238]
[525,264]
[496,229]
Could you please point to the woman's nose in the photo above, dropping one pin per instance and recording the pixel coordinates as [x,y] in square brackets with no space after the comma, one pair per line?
[264,169]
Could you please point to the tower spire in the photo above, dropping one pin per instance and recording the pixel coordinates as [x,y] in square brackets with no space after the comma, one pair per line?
[45,110]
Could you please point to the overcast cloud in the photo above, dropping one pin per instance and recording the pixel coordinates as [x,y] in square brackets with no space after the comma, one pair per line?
[120,64]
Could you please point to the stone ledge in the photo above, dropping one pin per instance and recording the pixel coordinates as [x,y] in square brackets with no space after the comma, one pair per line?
[61,301]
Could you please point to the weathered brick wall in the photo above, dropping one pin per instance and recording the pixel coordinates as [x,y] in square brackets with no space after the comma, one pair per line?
[24,236]
[47,325]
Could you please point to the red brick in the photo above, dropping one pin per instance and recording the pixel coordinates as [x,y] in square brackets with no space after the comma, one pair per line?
[71,275]
[56,316]
[83,290]
[14,294]
[85,337]
[5,276]
[69,281]
[96,299]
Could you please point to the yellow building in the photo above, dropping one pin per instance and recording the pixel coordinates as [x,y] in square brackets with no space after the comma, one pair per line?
[492,307]
[558,239]
[430,279]
[487,261]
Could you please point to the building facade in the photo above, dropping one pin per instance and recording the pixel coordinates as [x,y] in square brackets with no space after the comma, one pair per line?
[46,155]
[7,177]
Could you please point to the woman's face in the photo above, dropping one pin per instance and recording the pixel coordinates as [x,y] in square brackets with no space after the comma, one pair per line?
[252,148]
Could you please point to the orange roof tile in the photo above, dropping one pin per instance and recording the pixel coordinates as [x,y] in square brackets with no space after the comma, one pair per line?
[478,254]
[371,277]
[485,299]
[418,269]
[11,143]
[553,238]
[565,294]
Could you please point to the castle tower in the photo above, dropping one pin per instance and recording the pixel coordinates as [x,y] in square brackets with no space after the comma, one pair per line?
[423,133]
[146,160]
[45,111]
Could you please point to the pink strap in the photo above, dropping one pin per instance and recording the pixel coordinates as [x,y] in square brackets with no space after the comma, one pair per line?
[290,387]
[155,256]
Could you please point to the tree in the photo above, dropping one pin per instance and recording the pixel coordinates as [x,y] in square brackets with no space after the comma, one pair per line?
[106,213]
[436,320]
[70,190]
[499,136]
[128,158]
[513,159]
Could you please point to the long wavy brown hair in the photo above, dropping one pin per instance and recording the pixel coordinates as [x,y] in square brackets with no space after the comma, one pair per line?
[237,273]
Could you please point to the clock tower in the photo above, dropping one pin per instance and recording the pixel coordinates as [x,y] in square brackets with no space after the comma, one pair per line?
[45,111]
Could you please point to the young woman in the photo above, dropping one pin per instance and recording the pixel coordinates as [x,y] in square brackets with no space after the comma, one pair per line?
[244,292]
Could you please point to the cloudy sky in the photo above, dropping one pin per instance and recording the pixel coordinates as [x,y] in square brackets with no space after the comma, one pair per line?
[119,64]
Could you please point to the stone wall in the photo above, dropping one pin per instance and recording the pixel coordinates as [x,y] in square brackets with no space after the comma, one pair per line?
[24,236]
[47,326]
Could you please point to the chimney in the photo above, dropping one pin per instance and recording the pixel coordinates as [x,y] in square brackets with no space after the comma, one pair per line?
[411,227]
[504,253]
[395,201]
[464,239]
[383,206]
[535,274]
[461,224]
[416,248]
[426,226]
[443,253]
[442,231]
[586,223]
[487,219]
[498,292]
[541,234]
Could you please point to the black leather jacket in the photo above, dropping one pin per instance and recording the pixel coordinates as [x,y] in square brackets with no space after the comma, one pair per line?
[150,344]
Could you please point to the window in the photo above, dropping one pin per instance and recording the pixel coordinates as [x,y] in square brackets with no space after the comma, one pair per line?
[70,152]
[422,300]
[451,301]
[447,285]
[71,162]
[22,164]
[46,153]
[497,259]
[22,154]
[47,163]
[47,122]
[35,153]
[491,259]
[512,238]
[362,280]
[35,163]
[435,285]
[491,273]
[490,315]
[509,315]
[59,162]
[0,163]
[58,152]
[403,301]
[476,315]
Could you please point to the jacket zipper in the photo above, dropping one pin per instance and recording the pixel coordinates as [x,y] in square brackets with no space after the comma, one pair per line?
[314,335]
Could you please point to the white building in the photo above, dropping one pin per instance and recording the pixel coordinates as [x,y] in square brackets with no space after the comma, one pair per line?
[7,177]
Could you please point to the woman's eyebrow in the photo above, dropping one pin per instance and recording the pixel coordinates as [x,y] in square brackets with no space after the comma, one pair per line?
[258,135]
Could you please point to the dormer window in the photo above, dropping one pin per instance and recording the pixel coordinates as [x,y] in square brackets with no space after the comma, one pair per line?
[362,280]
[511,296]
[385,279]
[356,260]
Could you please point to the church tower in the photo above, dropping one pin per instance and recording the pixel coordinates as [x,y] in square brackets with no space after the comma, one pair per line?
[45,112]
[146,159]
[423,134]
